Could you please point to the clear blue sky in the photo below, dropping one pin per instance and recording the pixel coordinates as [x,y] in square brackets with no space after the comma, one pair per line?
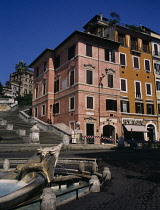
[30,26]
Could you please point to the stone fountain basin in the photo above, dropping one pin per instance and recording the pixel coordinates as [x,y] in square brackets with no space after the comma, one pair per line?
[24,194]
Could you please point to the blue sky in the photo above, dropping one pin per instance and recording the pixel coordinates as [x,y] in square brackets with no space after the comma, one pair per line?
[30,26]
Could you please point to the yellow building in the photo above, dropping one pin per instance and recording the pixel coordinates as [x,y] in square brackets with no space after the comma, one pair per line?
[155,39]
[137,80]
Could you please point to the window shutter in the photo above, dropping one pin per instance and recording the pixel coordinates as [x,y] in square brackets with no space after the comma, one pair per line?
[88,50]
[107,104]
[107,54]
[110,80]
[72,103]
[136,63]
[142,106]
[136,106]
[121,103]
[155,49]
[56,86]
[145,46]
[57,108]
[54,108]
[147,65]
[89,77]
[71,77]
[122,59]
[133,43]
[152,108]
[90,102]
[115,105]
[128,108]
[113,56]
[123,84]
[158,108]
[148,110]
[148,89]
[111,104]
[138,88]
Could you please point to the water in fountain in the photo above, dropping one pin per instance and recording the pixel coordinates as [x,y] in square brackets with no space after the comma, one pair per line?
[9,186]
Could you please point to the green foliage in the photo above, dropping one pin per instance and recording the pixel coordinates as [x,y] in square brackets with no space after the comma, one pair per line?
[20,68]
[25,100]
[7,83]
[114,18]
[133,27]
[1,88]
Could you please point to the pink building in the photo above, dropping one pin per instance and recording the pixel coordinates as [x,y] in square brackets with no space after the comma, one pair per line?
[78,81]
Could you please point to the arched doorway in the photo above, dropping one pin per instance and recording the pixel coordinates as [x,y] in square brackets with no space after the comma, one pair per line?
[151,132]
[109,131]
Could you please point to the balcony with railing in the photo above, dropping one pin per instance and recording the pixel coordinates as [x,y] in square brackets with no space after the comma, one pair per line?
[138,95]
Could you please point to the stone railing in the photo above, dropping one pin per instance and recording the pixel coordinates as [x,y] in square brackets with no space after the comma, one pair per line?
[6,100]
[63,131]
[7,104]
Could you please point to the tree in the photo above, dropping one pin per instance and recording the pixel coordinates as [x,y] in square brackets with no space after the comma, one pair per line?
[25,100]
[8,84]
[20,68]
[114,18]
[1,88]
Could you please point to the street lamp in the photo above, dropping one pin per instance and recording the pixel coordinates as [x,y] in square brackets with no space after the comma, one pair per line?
[101,86]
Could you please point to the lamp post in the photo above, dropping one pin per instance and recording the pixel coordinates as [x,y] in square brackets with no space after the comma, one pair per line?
[101,86]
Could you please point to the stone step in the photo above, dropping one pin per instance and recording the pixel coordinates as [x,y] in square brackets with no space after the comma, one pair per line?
[13,118]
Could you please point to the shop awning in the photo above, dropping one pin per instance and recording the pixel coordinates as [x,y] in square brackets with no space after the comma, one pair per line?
[136,128]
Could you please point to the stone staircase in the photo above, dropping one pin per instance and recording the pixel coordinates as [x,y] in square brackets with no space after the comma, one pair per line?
[12,137]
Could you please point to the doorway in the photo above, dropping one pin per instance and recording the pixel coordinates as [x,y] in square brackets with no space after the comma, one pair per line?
[109,131]
[151,132]
[90,132]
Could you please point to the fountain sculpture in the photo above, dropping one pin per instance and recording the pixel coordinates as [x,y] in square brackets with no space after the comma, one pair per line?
[37,172]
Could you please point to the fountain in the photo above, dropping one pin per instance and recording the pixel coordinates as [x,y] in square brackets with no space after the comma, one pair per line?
[40,174]
[37,173]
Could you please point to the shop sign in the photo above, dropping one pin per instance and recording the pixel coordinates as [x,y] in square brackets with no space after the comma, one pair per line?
[131,121]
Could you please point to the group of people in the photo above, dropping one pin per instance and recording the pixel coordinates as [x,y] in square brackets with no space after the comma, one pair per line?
[121,143]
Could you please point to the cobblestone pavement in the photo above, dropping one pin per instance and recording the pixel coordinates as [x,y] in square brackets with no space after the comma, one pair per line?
[128,190]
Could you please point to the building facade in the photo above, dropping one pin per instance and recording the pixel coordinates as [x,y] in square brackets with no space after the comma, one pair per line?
[156,66]
[137,81]
[101,79]
[80,84]
[26,83]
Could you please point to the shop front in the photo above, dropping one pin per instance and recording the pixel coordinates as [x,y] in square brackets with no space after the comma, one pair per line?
[136,129]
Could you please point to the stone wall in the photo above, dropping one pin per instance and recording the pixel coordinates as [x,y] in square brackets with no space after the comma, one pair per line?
[7,104]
